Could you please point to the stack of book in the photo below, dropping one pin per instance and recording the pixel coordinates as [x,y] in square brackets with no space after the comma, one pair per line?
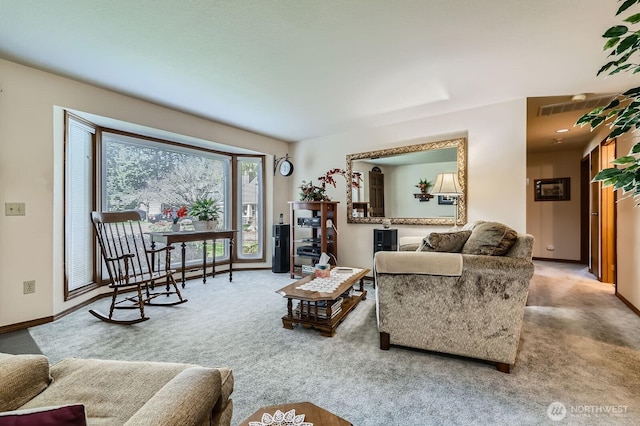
[309,308]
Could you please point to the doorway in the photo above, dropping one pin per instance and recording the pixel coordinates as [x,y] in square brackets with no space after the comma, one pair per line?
[601,220]
[607,219]
[376,194]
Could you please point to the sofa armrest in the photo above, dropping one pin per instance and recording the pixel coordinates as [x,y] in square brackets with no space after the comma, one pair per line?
[187,399]
[22,377]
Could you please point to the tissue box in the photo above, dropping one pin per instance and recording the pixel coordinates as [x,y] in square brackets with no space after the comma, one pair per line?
[323,271]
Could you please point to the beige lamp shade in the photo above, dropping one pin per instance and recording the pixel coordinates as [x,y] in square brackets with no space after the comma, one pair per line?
[447,184]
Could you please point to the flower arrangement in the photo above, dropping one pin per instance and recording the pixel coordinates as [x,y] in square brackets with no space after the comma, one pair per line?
[424,186]
[328,178]
[311,192]
[174,214]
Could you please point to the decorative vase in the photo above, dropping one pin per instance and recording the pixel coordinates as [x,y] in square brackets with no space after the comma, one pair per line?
[200,225]
[386,223]
[212,225]
[175,227]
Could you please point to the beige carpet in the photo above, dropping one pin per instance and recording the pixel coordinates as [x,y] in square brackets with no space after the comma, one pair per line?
[579,351]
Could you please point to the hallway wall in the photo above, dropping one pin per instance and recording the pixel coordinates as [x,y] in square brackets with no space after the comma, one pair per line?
[554,224]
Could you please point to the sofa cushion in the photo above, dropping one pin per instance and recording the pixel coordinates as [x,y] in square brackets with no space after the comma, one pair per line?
[490,239]
[449,242]
[64,415]
[22,378]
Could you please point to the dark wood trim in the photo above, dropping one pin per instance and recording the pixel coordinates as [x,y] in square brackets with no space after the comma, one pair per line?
[25,324]
[164,141]
[557,260]
[629,304]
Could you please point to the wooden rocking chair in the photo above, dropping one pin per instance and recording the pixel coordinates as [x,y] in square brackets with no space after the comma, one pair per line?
[126,257]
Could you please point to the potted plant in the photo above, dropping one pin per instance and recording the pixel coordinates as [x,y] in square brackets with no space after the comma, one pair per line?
[311,192]
[424,186]
[207,211]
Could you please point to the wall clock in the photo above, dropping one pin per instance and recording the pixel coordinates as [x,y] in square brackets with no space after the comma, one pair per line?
[286,168]
[283,165]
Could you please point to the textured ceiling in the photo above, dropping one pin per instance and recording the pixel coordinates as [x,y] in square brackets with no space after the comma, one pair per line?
[301,69]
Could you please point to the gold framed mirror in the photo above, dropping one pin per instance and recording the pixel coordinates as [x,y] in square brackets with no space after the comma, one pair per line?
[389,184]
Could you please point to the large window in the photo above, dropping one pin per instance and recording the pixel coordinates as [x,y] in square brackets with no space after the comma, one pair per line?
[157,178]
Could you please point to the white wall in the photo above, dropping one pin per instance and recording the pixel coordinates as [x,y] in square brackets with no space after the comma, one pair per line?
[31,154]
[628,240]
[555,223]
[496,138]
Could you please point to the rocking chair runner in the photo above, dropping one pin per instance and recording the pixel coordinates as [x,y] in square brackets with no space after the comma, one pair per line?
[126,256]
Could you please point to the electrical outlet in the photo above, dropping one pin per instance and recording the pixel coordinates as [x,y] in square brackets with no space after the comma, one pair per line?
[29,287]
[14,209]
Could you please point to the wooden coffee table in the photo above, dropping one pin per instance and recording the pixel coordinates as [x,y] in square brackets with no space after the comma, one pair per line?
[321,310]
[312,414]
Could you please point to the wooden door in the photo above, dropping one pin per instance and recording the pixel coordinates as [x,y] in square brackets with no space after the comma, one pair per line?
[607,219]
[376,194]
[594,210]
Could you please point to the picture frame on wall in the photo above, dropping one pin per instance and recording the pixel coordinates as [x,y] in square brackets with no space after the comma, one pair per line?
[446,199]
[557,189]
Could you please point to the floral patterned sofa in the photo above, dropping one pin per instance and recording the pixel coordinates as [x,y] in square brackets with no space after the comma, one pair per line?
[460,292]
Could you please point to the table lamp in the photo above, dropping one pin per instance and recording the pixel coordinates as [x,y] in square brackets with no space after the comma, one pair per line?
[448,184]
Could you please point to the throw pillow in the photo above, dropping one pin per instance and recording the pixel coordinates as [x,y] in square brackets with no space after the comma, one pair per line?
[490,239]
[469,226]
[65,415]
[22,377]
[450,242]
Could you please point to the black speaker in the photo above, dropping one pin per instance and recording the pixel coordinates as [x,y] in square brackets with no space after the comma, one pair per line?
[385,240]
[280,259]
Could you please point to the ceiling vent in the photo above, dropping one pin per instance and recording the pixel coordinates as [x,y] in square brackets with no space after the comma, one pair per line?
[589,103]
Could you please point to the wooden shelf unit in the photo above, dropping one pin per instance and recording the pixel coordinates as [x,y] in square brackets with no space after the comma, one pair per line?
[322,237]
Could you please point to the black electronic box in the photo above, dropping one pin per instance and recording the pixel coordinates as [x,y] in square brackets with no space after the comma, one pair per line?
[313,222]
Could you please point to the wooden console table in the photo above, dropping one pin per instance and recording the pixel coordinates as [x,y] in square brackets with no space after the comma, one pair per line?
[183,237]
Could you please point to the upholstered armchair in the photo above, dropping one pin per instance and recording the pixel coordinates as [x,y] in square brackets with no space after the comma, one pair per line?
[462,292]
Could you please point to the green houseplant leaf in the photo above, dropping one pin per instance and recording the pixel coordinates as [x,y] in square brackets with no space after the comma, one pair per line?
[205,209]
[617,31]
[622,115]
[626,5]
